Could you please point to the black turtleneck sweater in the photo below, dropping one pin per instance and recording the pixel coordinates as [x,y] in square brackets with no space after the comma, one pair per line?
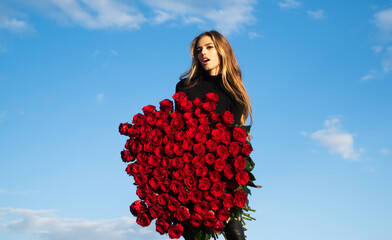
[213,84]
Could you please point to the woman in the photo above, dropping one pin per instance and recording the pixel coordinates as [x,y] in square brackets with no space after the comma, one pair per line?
[215,69]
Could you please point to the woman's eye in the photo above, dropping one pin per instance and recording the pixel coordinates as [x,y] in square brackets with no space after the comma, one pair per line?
[209,47]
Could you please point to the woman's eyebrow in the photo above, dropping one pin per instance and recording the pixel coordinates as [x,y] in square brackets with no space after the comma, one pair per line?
[205,45]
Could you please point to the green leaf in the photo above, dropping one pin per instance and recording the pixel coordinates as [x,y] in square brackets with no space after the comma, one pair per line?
[251,184]
[251,177]
[246,189]
[249,164]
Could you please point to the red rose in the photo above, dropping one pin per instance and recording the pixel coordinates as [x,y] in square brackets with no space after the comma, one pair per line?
[199,148]
[180,96]
[142,191]
[240,198]
[201,207]
[178,150]
[162,199]
[143,219]
[161,226]
[182,214]
[209,158]
[211,145]
[183,196]
[223,214]
[140,179]
[208,196]
[167,215]
[160,173]
[246,149]
[177,163]
[179,136]
[126,156]
[176,186]
[204,121]
[219,164]
[166,105]
[188,115]
[165,186]
[214,117]
[123,128]
[189,169]
[239,134]
[214,176]
[162,123]
[169,129]
[179,174]
[190,182]
[228,118]
[155,211]
[215,204]
[138,119]
[226,137]
[192,123]
[177,123]
[201,137]
[186,105]
[153,160]
[211,97]
[227,200]
[166,163]
[200,113]
[187,145]
[173,204]
[198,160]
[218,227]
[133,131]
[229,171]
[195,195]
[209,219]
[242,178]
[190,133]
[201,171]
[197,102]
[234,149]
[217,134]
[203,128]
[176,231]
[151,199]
[209,106]
[153,183]
[149,109]
[239,163]
[217,189]
[151,120]
[222,152]
[232,185]
[137,207]
[187,157]
[159,151]
[204,184]
[196,220]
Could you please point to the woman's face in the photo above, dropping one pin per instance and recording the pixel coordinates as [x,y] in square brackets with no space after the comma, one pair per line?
[208,55]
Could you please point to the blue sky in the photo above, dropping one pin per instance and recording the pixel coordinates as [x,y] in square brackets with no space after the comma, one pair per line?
[318,74]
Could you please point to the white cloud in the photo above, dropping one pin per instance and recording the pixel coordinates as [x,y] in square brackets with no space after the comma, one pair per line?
[373,74]
[377,49]
[47,225]
[2,190]
[93,14]
[95,53]
[289,4]
[253,35]
[113,52]
[227,16]
[99,97]
[383,20]
[336,140]
[384,151]
[13,24]
[369,169]
[318,14]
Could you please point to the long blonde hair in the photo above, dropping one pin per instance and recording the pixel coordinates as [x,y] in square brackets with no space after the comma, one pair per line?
[231,72]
